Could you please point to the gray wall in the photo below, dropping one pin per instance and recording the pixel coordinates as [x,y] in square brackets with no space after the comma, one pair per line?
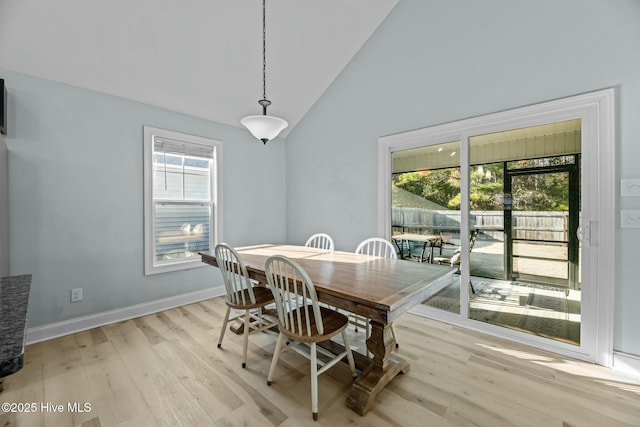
[76,202]
[433,62]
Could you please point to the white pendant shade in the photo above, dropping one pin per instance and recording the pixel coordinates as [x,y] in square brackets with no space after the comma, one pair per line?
[264,127]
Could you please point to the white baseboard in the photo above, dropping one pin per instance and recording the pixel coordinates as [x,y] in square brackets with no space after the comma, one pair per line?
[626,363]
[58,329]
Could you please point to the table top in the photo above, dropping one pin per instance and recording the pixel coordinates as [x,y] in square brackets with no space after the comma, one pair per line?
[392,286]
[417,237]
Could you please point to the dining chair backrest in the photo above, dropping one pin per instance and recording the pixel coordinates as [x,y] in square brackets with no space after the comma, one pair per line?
[377,247]
[234,274]
[295,296]
[320,241]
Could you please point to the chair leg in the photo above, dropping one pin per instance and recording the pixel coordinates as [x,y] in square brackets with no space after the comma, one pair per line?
[395,337]
[473,291]
[366,337]
[224,326]
[274,360]
[245,340]
[314,381]
[352,363]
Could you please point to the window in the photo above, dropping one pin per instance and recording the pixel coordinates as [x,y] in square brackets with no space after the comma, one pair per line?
[181,195]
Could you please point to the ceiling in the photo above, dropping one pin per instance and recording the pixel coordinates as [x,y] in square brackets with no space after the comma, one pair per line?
[533,142]
[199,57]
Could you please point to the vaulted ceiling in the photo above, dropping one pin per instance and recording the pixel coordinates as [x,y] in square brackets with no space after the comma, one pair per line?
[199,57]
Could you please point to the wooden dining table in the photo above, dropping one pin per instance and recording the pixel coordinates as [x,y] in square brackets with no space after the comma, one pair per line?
[379,289]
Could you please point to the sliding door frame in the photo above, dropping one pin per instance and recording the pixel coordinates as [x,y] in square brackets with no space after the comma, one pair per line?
[596,111]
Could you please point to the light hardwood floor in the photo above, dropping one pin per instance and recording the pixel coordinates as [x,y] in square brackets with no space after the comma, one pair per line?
[164,370]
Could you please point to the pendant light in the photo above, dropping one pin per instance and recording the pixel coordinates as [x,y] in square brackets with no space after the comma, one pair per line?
[264,127]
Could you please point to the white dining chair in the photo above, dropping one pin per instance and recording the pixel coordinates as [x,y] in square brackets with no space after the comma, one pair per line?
[320,241]
[377,247]
[374,246]
[242,295]
[302,320]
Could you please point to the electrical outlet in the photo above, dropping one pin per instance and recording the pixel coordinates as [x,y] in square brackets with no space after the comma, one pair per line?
[629,219]
[76,294]
[630,187]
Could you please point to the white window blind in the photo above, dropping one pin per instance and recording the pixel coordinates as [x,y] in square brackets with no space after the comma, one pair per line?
[173,146]
[180,208]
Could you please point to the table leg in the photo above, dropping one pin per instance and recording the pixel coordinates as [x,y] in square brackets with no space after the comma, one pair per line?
[384,368]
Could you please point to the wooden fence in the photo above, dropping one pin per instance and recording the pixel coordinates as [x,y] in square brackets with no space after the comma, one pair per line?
[551,226]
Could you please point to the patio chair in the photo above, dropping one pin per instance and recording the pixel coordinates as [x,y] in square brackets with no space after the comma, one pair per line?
[302,320]
[242,295]
[377,247]
[320,241]
[454,259]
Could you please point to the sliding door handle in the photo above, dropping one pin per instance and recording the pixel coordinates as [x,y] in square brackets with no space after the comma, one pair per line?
[583,233]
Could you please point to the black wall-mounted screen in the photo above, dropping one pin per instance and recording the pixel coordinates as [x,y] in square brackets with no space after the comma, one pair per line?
[3,108]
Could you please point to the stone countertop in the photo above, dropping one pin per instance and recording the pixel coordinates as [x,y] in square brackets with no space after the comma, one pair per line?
[14,299]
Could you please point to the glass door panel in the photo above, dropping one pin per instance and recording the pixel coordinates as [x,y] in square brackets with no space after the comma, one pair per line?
[524,199]
[486,221]
[425,200]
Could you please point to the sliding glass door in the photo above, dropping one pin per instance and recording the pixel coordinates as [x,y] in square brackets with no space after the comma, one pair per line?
[511,201]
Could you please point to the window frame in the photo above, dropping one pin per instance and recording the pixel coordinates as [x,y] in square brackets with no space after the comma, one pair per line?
[151,266]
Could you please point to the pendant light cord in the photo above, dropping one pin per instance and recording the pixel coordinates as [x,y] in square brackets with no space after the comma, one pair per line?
[264,49]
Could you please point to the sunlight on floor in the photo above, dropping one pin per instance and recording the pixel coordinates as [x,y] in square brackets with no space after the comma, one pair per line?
[600,374]
[526,311]
[524,355]
[633,388]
